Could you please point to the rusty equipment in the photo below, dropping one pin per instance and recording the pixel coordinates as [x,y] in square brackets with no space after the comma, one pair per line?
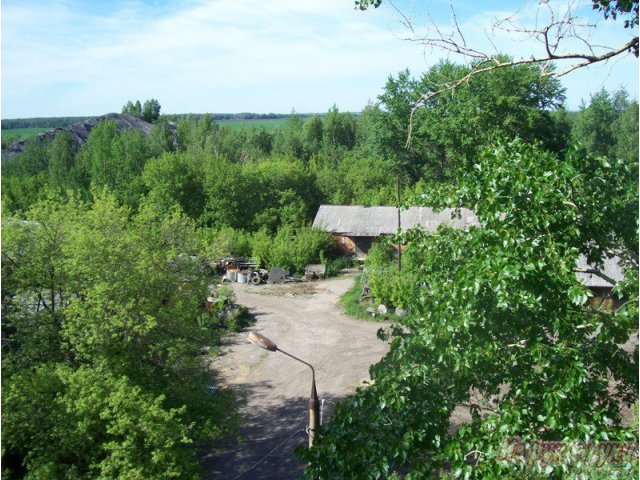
[313,404]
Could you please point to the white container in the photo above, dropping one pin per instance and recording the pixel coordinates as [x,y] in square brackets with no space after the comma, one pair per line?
[242,277]
[232,275]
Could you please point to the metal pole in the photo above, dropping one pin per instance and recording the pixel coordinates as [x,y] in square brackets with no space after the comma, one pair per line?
[313,403]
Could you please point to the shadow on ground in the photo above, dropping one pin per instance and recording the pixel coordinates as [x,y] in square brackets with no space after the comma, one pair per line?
[269,437]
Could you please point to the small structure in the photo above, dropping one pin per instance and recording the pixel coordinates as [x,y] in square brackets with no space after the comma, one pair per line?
[356,227]
[602,282]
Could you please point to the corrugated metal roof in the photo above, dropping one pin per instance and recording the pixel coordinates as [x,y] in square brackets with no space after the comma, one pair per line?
[611,268]
[361,221]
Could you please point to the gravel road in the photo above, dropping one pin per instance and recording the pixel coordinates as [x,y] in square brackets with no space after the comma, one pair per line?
[304,320]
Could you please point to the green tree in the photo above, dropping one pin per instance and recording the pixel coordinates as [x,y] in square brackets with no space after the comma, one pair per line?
[102,373]
[151,110]
[289,140]
[593,124]
[19,193]
[290,248]
[89,423]
[500,326]
[25,176]
[133,109]
[62,155]
[129,156]
[283,192]
[313,134]
[96,156]
[161,139]
[345,183]
[33,160]
[625,132]
[175,179]
[508,102]
[259,142]
[339,129]
[230,194]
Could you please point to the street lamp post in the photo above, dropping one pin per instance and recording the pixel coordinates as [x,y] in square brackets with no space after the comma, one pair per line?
[313,404]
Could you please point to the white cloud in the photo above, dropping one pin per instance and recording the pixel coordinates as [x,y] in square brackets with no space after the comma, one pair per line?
[477,26]
[222,55]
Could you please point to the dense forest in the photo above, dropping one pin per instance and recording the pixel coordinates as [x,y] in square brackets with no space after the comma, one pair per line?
[103,307]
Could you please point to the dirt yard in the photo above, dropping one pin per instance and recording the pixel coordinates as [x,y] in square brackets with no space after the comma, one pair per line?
[304,320]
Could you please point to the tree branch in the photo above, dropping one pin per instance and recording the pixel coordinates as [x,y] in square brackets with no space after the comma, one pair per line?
[597,273]
[554,28]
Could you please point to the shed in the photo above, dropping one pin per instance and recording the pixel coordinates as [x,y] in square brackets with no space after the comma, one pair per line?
[355,227]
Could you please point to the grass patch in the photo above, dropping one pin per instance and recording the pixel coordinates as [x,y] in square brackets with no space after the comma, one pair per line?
[350,301]
[239,319]
[12,135]
[353,305]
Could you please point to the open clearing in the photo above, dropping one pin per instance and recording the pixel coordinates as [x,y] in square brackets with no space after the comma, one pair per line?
[307,324]
[15,134]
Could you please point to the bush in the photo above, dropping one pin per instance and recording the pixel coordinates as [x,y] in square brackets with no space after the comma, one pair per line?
[386,285]
[382,275]
[335,265]
[291,249]
[225,242]
[239,319]
[261,247]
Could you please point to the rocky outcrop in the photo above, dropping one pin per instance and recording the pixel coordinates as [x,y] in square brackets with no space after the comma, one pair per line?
[80,131]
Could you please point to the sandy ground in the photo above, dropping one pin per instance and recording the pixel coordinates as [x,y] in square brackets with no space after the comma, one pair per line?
[304,320]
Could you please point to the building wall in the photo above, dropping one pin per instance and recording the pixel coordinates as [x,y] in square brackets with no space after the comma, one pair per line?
[356,246]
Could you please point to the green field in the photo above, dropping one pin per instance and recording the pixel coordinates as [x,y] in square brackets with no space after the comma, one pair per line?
[11,135]
[270,125]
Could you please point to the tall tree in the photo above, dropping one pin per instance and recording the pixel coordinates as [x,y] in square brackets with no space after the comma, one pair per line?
[151,110]
[625,132]
[62,155]
[339,129]
[102,373]
[161,139]
[313,134]
[501,329]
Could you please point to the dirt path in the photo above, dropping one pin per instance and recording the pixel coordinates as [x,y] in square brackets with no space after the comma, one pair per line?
[312,327]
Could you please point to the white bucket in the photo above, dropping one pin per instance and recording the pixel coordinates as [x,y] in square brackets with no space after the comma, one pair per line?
[242,277]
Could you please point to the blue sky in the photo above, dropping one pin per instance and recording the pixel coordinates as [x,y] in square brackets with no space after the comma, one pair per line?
[72,58]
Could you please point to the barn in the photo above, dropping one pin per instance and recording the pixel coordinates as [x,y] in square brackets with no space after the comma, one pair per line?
[356,227]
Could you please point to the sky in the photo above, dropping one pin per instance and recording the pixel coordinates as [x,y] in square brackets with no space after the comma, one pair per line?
[83,58]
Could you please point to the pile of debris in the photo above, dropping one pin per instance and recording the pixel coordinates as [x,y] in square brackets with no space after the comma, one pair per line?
[246,271]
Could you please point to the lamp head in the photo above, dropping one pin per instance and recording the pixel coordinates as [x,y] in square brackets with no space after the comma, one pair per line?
[262,341]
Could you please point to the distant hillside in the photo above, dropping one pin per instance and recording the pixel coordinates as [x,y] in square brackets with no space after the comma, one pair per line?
[80,131]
